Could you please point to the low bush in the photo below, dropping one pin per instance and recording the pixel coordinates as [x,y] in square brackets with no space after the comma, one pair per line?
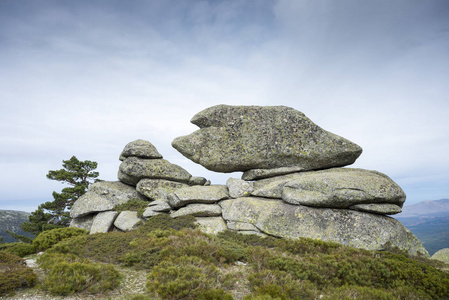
[67,274]
[49,238]
[19,249]
[185,277]
[14,274]
[164,221]
[135,204]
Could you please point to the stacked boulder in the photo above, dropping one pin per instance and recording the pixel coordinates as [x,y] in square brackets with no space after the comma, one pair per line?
[294,184]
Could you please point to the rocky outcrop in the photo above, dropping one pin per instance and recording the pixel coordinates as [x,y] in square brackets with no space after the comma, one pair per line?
[293,183]
[344,226]
[442,255]
[241,138]
[103,196]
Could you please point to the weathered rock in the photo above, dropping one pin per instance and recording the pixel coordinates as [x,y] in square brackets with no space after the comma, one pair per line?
[158,189]
[211,225]
[272,187]
[342,188]
[84,222]
[267,173]
[385,209]
[241,138]
[149,212]
[103,196]
[139,168]
[140,148]
[241,226]
[344,226]
[442,255]
[160,205]
[127,179]
[195,180]
[198,194]
[198,210]
[127,220]
[103,221]
[239,188]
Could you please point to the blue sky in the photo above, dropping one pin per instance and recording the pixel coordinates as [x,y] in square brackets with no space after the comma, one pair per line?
[85,78]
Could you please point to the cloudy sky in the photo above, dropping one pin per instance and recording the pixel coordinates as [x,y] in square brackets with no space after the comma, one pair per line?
[84,78]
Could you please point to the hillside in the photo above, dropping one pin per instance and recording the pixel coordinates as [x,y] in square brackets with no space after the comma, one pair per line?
[429,221]
[167,259]
[11,220]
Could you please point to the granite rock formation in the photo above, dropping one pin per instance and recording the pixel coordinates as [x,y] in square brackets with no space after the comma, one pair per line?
[294,185]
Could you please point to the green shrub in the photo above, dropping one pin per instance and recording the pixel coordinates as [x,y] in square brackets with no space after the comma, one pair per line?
[67,274]
[164,221]
[184,277]
[14,274]
[49,238]
[19,249]
[135,204]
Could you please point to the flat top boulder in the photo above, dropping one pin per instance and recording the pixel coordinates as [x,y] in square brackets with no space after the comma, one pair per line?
[241,138]
[139,168]
[103,196]
[140,148]
[342,188]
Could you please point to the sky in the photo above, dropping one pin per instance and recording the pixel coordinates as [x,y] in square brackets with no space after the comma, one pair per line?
[85,78]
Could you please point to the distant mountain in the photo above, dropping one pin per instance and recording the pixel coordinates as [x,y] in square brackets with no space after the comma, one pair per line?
[11,220]
[429,221]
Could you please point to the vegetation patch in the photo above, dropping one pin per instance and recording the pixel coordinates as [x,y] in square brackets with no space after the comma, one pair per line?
[18,248]
[49,238]
[135,204]
[14,274]
[67,274]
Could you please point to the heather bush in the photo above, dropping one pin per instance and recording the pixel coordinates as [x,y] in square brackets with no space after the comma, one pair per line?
[135,204]
[18,248]
[49,238]
[67,274]
[14,274]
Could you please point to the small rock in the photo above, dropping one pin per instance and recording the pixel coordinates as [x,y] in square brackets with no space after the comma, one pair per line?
[103,221]
[211,225]
[140,148]
[239,188]
[198,194]
[127,220]
[198,210]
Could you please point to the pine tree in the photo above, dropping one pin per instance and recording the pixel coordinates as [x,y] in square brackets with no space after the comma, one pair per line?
[54,214]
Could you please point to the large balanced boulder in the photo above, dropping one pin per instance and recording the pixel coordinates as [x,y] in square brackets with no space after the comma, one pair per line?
[241,138]
[347,227]
[103,196]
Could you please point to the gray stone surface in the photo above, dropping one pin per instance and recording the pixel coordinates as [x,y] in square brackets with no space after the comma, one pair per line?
[127,220]
[139,168]
[140,148]
[158,189]
[267,173]
[198,194]
[211,225]
[198,210]
[103,196]
[342,188]
[195,180]
[160,205]
[344,226]
[239,188]
[442,255]
[149,212]
[103,222]
[84,222]
[241,226]
[272,187]
[385,209]
[241,138]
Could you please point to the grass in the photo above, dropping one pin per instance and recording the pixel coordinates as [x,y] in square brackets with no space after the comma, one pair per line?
[180,262]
